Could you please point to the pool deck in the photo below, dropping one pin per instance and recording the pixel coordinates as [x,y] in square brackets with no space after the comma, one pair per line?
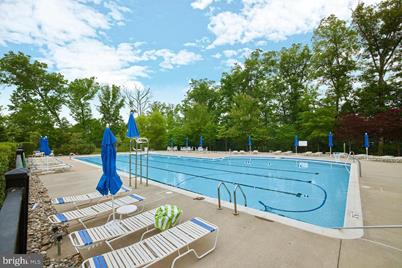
[248,241]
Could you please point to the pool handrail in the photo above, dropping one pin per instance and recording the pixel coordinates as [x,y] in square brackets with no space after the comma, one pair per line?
[235,200]
[358,162]
[219,194]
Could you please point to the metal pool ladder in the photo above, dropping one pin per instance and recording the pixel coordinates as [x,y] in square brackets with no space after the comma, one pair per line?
[235,200]
[219,194]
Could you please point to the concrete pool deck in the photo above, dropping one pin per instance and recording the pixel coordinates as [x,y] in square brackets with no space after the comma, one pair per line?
[246,240]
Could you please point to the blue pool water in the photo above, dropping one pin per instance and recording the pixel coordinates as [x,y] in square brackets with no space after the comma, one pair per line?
[310,191]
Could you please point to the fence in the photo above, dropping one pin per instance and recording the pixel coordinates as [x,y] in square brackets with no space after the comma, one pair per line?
[14,212]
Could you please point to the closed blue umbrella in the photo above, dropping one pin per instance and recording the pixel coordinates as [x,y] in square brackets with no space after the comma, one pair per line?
[186,141]
[366,143]
[201,141]
[249,142]
[41,148]
[132,130]
[330,142]
[44,146]
[132,133]
[110,181]
[296,142]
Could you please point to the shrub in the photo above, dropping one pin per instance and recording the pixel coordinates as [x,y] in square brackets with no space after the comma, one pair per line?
[7,161]
[28,147]
[83,148]
[9,148]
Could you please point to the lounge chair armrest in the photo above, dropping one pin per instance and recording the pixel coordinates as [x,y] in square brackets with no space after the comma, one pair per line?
[53,219]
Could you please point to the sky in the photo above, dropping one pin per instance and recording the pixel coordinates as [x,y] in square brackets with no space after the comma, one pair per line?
[156,44]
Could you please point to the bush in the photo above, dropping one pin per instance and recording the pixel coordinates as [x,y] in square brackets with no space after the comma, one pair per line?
[9,148]
[84,148]
[7,162]
[28,147]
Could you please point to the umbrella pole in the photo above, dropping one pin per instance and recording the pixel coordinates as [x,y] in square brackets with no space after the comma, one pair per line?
[366,152]
[147,163]
[129,169]
[136,160]
[113,207]
[141,163]
[330,151]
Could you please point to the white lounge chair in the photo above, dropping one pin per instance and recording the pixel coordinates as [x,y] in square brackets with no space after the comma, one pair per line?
[76,199]
[242,152]
[255,151]
[90,212]
[113,230]
[308,153]
[157,247]
[317,154]
[277,152]
[200,149]
[288,153]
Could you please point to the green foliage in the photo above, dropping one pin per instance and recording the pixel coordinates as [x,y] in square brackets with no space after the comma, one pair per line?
[7,162]
[335,45]
[111,102]
[28,147]
[380,30]
[76,145]
[271,96]
[39,95]
[80,93]
[153,127]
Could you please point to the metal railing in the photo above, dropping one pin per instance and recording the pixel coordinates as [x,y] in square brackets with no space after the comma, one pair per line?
[14,211]
[359,165]
[141,142]
[235,200]
[219,194]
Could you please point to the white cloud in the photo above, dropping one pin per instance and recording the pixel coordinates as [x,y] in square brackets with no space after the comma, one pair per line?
[45,21]
[261,43]
[190,44]
[232,62]
[201,4]
[171,59]
[229,53]
[241,52]
[90,57]
[116,11]
[275,19]
[68,34]
[217,55]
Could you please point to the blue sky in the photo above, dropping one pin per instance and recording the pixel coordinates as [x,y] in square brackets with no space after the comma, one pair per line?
[157,44]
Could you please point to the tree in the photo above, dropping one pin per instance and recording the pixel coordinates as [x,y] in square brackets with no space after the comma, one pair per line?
[36,90]
[111,102]
[316,124]
[153,127]
[350,128]
[199,120]
[335,46]
[380,34]
[138,100]
[291,82]
[80,93]
[244,120]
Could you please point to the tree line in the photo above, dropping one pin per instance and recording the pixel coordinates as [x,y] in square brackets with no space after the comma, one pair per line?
[347,81]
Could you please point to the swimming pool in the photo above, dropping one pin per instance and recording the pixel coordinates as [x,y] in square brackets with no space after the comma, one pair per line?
[310,191]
